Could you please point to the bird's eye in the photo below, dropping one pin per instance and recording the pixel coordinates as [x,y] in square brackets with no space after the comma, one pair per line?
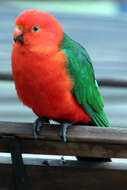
[35,28]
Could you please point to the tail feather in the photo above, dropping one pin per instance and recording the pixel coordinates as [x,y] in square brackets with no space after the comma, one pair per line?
[99,119]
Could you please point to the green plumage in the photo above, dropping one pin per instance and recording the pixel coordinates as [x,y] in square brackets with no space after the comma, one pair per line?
[85,87]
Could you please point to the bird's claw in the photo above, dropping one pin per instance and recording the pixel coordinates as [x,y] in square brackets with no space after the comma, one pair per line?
[37,126]
[63,131]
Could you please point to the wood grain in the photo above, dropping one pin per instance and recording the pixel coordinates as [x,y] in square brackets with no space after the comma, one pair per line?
[76,133]
[83,141]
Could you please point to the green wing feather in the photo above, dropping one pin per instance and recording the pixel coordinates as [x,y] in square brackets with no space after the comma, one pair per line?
[85,87]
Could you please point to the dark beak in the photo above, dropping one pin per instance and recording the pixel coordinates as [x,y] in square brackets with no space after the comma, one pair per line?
[19,38]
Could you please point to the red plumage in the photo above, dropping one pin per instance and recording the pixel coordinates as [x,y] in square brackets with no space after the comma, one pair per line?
[39,69]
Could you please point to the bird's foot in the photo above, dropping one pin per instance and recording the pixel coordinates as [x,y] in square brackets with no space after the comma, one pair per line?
[63,130]
[37,125]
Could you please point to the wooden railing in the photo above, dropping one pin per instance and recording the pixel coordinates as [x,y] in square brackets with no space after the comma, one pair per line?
[82,141]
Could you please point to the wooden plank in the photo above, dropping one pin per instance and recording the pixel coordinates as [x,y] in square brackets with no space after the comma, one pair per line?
[70,175]
[76,133]
[84,141]
[70,149]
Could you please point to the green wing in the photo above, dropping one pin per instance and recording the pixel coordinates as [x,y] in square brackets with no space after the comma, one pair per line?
[85,87]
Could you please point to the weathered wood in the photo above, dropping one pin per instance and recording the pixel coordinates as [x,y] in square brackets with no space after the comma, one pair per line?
[76,133]
[70,175]
[85,141]
[70,149]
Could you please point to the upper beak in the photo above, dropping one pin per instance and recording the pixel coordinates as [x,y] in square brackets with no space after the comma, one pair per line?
[19,38]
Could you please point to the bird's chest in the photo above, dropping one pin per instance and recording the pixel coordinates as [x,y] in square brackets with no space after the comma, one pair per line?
[44,86]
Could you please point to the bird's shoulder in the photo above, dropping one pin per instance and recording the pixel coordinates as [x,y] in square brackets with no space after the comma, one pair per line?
[73,48]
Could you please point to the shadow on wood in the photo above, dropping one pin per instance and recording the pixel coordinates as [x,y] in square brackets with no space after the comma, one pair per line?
[72,175]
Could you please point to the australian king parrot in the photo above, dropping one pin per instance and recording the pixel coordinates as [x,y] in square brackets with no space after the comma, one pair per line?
[53,74]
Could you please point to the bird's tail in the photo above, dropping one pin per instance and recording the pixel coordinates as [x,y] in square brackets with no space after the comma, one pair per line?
[99,119]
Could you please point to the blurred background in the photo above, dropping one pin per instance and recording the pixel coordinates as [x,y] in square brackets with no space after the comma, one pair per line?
[100,26]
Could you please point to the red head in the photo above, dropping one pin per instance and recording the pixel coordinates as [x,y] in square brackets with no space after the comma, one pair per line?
[37,31]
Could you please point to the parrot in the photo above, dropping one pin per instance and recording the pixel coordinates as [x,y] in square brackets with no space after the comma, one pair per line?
[53,74]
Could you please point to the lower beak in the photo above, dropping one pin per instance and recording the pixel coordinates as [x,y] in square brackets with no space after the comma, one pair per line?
[19,38]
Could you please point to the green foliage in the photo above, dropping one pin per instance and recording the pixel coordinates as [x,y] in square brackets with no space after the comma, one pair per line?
[85,87]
